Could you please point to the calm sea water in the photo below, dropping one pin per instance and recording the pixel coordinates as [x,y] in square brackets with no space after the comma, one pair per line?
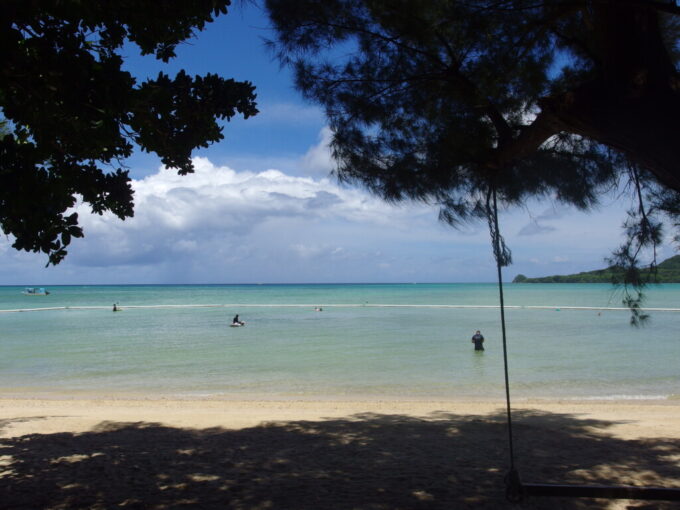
[163,344]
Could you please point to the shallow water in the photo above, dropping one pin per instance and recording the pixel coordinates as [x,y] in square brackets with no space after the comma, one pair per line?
[355,348]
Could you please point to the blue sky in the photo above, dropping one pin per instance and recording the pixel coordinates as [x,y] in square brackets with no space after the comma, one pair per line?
[262,209]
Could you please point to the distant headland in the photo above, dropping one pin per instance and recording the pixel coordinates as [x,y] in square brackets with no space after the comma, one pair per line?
[668,271]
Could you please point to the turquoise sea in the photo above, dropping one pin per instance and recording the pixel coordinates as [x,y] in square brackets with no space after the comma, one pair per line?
[393,341]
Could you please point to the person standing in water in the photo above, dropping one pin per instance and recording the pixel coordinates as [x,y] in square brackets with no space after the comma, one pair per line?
[478,340]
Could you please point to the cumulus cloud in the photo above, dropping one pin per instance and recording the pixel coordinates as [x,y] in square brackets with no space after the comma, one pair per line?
[220,213]
[317,160]
[223,225]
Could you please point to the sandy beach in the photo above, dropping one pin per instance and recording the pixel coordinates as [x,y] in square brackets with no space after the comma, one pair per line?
[158,453]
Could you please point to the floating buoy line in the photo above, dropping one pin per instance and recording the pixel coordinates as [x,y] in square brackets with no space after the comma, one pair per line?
[339,305]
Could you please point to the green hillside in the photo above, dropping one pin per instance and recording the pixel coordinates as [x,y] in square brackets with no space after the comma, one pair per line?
[668,272]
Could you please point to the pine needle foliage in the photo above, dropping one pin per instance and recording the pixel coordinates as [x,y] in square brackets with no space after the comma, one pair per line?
[442,101]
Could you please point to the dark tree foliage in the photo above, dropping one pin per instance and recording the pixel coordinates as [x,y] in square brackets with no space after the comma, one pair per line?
[73,113]
[446,100]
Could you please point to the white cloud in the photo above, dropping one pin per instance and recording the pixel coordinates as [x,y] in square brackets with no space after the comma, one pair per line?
[219,214]
[222,225]
[307,251]
[317,160]
[288,114]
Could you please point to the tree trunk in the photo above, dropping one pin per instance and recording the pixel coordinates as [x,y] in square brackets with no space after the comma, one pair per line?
[645,128]
[633,102]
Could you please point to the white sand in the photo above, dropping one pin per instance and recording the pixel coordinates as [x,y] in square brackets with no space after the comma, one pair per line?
[630,419]
[158,453]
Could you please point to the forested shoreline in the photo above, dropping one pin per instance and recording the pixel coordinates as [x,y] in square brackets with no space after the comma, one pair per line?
[667,271]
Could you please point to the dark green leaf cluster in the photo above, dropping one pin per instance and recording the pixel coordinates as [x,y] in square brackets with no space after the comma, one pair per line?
[73,114]
[173,116]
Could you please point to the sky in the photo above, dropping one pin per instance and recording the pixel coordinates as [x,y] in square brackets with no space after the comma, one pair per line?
[261,207]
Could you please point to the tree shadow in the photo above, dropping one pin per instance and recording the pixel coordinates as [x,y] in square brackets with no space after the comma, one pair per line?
[365,461]
[9,421]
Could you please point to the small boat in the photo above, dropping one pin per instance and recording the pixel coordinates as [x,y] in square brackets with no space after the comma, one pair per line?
[237,324]
[35,291]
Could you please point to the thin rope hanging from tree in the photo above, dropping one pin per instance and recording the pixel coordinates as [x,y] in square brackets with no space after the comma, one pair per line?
[514,490]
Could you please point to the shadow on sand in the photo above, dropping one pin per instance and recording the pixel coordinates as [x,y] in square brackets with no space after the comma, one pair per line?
[365,461]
